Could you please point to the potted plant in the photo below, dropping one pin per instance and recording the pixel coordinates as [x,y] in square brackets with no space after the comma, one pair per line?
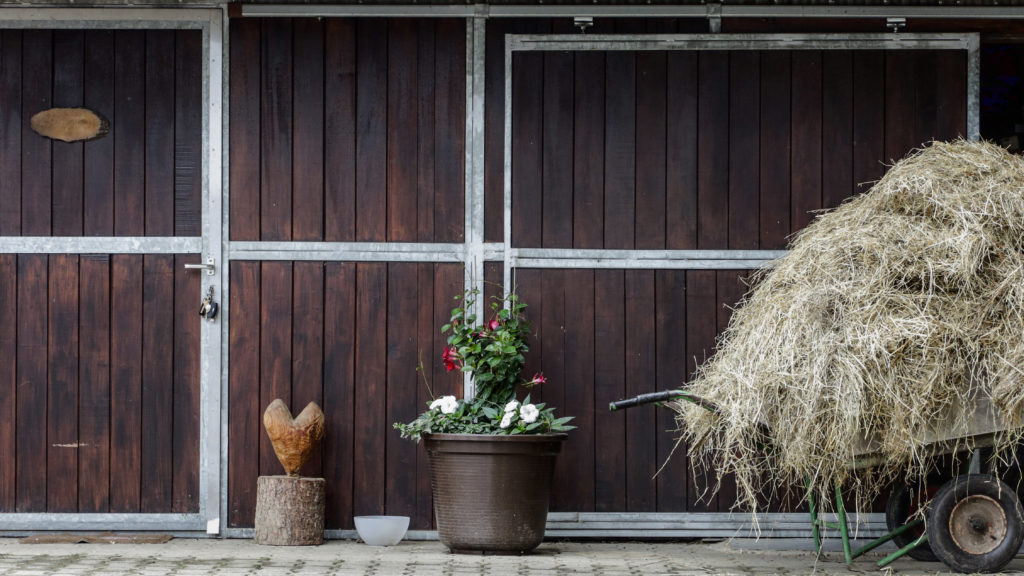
[491,456]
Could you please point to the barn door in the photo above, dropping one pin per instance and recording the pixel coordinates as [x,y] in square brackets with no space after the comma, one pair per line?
[103,358]
[645,176]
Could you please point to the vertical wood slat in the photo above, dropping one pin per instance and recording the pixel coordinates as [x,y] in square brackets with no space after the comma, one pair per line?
[926,80]
[900,73]
[243,393]
[836,128]
[98,195]
[10,132]
[30,461]
[307,345]
[126,382]
[244,102]
[712,150]
[157,382]
[449,131]
[128,132]
[868,118]
[371,131]
[640,379]
[774,150]
[620,151]
[62,392]
[275,351]
[806,138]
[276,120]
[494,128]
[160,136]
[527,149]
[36,163]
[185,449]
[744,153]
[557,152]
[951,106]
[339,389]
[551,331]
[68,73]
[340,131]
[670,359]
[431,87]
[588,151]
[402,131]
[400,388]
[578,378]
[8,375]
[681,152]
[609,385]
[651,153]
[429,288]
[94,385]
[308,140]
[370,373]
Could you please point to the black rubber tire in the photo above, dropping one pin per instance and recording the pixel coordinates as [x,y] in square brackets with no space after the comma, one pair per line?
[898,509]
[989,494]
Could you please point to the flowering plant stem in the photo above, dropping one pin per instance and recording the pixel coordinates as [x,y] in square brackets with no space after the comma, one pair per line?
[491,352]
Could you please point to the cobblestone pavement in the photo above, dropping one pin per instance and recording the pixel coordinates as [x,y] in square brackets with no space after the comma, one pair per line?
[209,557]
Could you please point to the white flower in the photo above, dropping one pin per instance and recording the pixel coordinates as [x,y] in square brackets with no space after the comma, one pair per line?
[506,420]
[511,406]
[529,413]
[447,404]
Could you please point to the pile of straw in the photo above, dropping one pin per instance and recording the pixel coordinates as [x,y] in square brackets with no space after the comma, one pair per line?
[891,313]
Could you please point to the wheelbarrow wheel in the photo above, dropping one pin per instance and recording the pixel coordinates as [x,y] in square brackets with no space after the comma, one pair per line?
[975,524]
[904,503]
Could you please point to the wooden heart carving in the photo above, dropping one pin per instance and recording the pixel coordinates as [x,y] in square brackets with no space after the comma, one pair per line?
[293,439]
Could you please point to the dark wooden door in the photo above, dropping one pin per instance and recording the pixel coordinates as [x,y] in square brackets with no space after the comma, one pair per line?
[711,150]
[99,352]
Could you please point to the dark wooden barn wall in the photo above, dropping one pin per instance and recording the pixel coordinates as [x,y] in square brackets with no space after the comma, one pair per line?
[713,150]
[350,337]
[673,150]
[348,130]
[343,130]
[99,384]
[141,179]
[99,389]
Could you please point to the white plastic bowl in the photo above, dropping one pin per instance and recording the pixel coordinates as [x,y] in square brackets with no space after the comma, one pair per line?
[382,530]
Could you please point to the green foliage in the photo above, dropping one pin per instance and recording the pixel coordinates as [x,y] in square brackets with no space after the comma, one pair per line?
[492,353]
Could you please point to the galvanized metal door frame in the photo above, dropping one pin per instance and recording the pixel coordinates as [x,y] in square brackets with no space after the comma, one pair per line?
[210,245]
[686,524]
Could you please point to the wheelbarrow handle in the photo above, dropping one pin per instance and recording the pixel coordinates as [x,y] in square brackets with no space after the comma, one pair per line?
[648,398]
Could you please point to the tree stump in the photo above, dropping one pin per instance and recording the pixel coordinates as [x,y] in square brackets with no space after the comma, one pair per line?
[289,511]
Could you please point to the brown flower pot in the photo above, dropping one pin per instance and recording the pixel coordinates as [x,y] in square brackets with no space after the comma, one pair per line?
[491,493]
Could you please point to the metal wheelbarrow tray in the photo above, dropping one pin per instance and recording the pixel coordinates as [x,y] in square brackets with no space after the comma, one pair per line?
[972,522]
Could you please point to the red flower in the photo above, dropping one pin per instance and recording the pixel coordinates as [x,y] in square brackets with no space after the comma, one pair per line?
[494,325]
[538,379]
[449,357]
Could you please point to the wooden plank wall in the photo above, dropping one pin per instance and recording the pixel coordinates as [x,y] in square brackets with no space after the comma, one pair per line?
[141,179]
[350,337]
[100,385]
[343,130]
[679,150]
[347,130]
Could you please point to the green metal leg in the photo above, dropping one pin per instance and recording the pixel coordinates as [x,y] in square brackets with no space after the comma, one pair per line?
[902,551]
[815,525]
[843,529]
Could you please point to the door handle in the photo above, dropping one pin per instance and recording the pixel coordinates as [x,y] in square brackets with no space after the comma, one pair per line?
[208,266]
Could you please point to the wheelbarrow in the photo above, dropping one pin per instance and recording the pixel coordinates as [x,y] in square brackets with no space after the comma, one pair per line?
[968,520]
